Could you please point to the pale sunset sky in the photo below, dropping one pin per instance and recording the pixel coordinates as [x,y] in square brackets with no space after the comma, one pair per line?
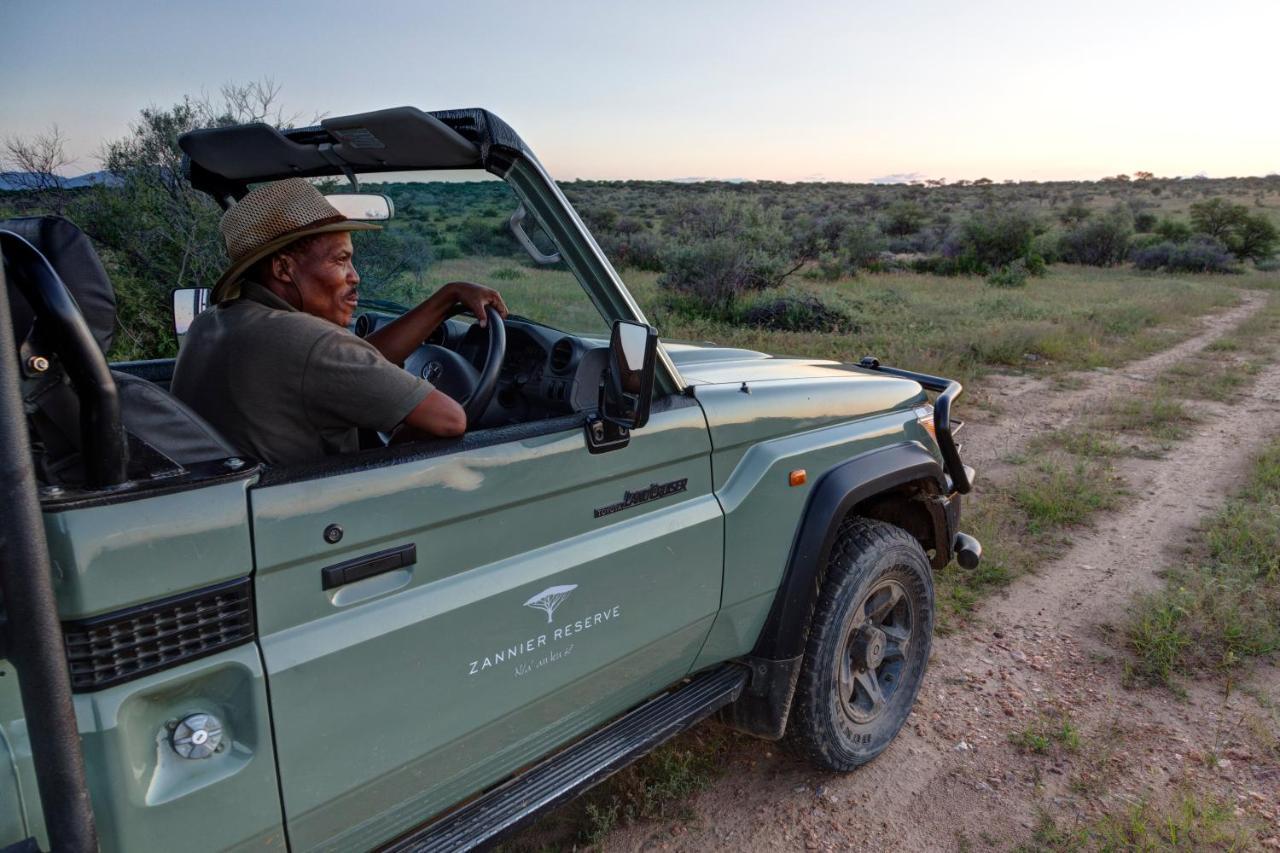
[796,90]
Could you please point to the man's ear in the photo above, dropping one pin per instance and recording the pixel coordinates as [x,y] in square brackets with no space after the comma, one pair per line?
[282,267]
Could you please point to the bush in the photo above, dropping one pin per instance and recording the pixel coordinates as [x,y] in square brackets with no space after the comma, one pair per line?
[1144,222]
[722,247]
[797,314]
[1248,235]
[861,245]
[1102,242]
[903,218]
[1201,254]
[991,239]
[478,236]
[1173,230]
[1014,275]
[638,250]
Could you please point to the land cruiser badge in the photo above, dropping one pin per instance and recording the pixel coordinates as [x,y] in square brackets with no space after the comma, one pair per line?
[640,496]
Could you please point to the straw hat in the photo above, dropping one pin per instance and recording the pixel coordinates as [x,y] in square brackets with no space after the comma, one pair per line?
[271,217]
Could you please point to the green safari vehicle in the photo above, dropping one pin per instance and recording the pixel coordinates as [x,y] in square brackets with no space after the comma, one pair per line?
[421,646]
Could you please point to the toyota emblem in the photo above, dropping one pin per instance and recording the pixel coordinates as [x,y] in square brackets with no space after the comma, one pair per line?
[431,371]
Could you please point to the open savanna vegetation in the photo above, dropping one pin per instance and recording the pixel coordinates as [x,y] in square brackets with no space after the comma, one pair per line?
[1103,680]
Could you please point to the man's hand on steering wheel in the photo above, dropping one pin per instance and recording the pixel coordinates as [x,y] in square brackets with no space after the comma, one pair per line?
[475,297]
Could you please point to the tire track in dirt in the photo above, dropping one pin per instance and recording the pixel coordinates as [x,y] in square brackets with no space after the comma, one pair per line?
[1030,405]
[952,779]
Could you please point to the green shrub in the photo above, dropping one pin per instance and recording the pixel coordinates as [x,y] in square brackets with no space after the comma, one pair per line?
[1013,275]
[1248,235]
[802,313]
[1202,254]
[722,247]
[1173,230]
[903,218]
[991,239]
[1101,242]
[1144,222]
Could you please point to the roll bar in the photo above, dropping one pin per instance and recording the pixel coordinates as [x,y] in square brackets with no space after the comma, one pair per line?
[103,445]
[33,639]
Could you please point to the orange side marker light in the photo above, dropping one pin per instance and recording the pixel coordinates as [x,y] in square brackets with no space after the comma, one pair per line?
[798,477]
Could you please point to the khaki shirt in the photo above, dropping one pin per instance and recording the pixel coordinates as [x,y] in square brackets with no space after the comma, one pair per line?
[284,386]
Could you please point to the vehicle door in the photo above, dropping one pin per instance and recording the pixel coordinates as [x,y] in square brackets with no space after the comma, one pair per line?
[484,604]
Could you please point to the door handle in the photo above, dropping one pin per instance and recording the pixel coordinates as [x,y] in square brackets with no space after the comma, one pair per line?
[350,571]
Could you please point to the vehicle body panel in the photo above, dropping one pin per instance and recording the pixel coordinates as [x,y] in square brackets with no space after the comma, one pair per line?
[494,526]
[144,796]
[116,555]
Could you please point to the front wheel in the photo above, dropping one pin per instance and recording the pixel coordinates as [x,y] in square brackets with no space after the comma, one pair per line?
[868,646]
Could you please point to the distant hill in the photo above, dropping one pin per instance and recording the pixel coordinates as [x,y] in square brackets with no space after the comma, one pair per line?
[11,181]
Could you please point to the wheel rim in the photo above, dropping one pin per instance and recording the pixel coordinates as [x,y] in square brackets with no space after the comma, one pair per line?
[875,650]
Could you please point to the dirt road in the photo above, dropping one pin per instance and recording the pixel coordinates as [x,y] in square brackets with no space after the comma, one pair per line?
[953,779]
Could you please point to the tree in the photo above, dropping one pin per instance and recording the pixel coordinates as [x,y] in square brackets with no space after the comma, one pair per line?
[33,162]
[157,232]
[1216,217]
[1248,235]
[1144,176]
[549,599]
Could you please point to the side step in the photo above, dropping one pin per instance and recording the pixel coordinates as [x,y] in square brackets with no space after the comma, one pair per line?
[565,774]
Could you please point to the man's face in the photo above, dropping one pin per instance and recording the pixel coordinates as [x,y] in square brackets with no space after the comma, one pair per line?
[325,277]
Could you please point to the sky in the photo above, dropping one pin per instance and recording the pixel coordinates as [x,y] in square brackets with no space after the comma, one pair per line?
[792,91]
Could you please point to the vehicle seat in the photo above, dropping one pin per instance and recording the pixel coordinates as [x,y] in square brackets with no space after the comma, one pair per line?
[148,413]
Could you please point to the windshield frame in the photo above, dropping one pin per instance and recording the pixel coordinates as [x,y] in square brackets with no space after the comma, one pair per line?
[582,255]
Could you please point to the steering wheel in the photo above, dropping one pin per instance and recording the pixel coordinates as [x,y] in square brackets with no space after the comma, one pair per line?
[457,377]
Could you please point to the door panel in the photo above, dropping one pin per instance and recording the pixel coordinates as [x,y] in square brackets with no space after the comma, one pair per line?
[526,619]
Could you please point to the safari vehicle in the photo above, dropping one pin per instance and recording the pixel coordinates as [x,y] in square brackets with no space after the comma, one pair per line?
[421,646]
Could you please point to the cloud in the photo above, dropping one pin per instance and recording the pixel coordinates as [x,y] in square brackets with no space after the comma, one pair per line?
[900,178]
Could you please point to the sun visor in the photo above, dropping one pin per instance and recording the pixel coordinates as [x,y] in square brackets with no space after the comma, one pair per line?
[400,138]
[250,152]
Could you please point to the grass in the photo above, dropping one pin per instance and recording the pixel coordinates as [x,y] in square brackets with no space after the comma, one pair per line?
[1024,523]
[656,787]
[1040,736]
[1074,318]
[1222,606]
[1190,822]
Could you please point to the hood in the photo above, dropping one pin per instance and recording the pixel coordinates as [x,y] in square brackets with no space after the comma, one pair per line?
[712,365]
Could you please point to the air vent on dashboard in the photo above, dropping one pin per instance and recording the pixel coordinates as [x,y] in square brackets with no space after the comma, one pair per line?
[120,646]
[561,354]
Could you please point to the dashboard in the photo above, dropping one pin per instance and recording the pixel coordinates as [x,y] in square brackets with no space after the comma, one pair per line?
[546,372]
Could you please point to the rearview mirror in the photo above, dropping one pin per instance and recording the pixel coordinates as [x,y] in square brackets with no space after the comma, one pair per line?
[628,383]
[369,207]
[187,304]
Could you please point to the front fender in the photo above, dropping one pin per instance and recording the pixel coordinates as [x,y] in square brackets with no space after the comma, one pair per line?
[778,654]
[839,490]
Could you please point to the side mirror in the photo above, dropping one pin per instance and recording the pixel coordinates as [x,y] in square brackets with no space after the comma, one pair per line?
[368,207]
[187,303]
[628,384]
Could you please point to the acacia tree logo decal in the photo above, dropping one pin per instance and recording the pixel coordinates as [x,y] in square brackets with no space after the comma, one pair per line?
[551,598]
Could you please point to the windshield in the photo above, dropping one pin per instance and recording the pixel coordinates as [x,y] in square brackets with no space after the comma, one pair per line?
[455,226]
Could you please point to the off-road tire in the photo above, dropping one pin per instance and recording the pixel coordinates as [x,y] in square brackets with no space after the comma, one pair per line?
[870,563]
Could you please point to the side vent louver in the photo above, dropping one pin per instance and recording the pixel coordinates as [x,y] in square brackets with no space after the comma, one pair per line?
[116,647]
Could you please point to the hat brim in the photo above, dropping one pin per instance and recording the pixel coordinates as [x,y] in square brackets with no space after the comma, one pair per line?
[228,285]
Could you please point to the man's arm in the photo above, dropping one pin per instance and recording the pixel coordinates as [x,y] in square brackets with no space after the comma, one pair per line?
[402,336]
[437,415]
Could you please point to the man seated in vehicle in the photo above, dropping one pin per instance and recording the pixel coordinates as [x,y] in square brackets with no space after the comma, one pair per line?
[272,365]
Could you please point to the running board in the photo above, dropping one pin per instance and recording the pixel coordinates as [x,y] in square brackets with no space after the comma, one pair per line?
[587,762]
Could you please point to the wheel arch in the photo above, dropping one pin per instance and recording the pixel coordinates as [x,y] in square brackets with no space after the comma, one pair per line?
[901,484]
[883,483]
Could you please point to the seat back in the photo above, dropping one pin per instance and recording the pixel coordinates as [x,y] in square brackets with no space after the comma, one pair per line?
[150,415]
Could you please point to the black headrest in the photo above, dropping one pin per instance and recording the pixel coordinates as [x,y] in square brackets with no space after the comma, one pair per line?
[72,256]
